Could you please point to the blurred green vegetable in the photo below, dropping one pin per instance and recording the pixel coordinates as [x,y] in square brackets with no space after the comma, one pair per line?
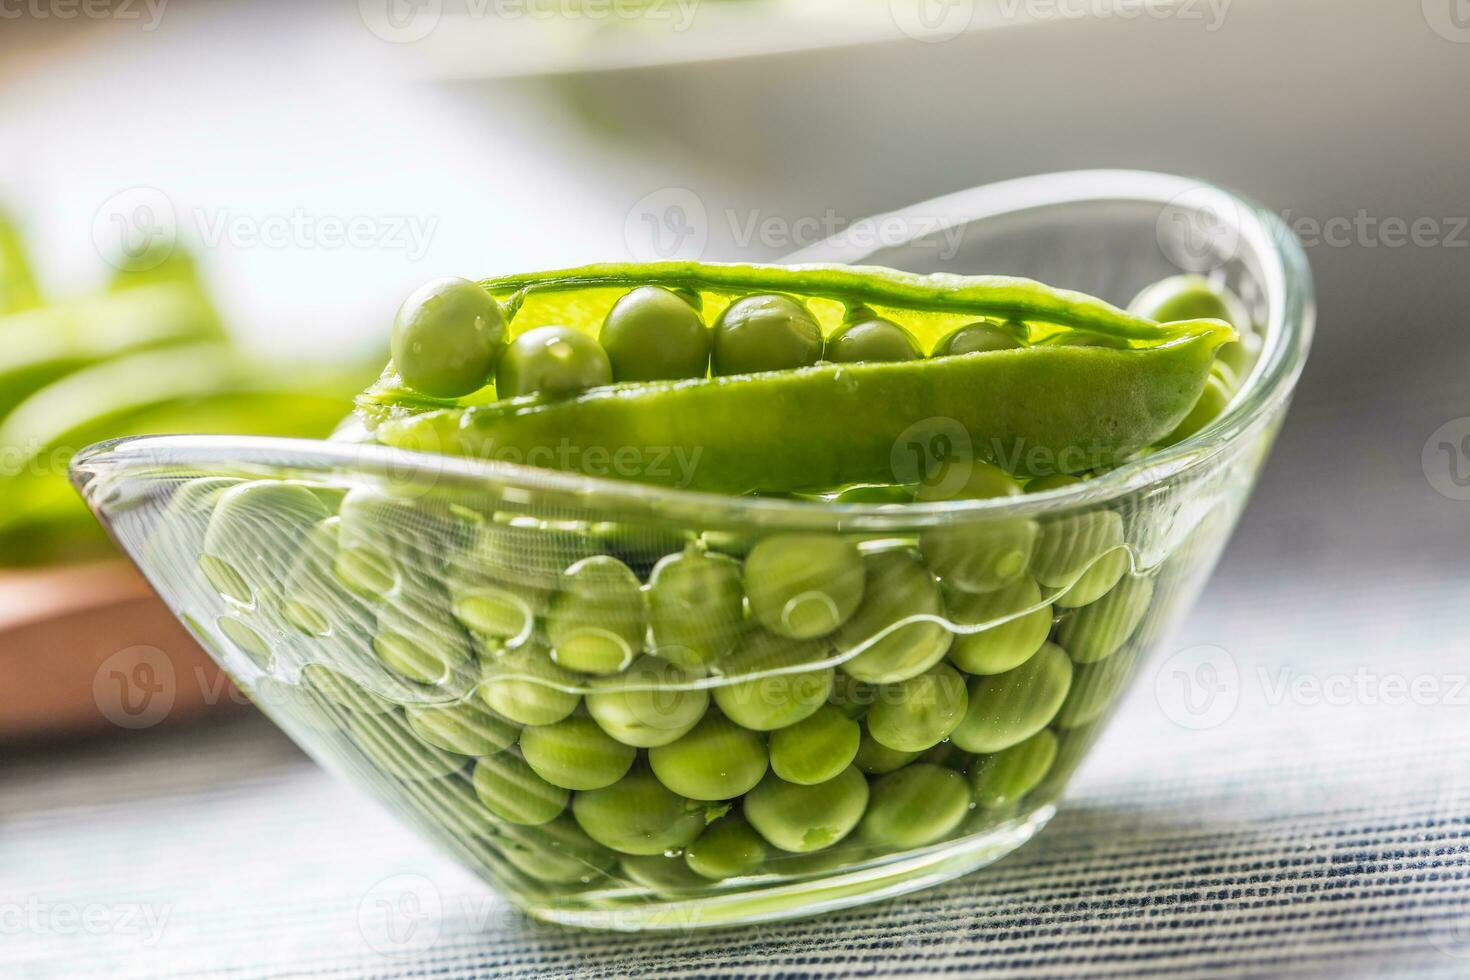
[148,355]
[17,286]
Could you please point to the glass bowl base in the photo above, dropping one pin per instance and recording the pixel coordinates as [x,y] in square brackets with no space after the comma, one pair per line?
[886,878]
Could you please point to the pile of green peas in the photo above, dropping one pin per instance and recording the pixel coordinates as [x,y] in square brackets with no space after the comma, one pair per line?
[605,705]
[724,707]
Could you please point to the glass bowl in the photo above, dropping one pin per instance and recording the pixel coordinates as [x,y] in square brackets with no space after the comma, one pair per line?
[626,707]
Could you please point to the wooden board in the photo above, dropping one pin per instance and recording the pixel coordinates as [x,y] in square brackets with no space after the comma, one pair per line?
[88,648]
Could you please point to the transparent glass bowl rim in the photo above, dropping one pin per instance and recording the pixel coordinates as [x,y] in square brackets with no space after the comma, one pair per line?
[1278,259]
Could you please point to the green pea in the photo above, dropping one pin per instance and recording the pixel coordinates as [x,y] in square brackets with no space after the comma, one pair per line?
[495,612]
[898,587]
[1082,338]
[1099,579]
[1072,749]
[982,555]
[842,856]
[526,687]
[390,744]
[1212,402]
[851,696]
[919,712]
[596,622]
[1008,708]
[696,607]
[256,529]
[343,691]
[872,338]
[915,806]
[1095,686]
[247,640]
[576,754]
[314,601]
[765,333]
[558,852]
[366,570]
[765,700]
[178,535]
[804,585]
[1096,631]
[981,336]
[662,874]
[447,337]
[815,749]
[651,334]
[464,727]
[1052,481]
[639,546]
[716,760]
[728,848]
[503,578]
[736,544]
[638,815]
[807,818]
[1082,554]
[876,493]
[1003,778]
[396,548]
[513,791]
[645,707]
[551,361]
[1193,297]
[420,644]
[1007,644]
[875,758]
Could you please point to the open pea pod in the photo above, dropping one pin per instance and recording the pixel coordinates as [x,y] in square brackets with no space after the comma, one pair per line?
[1052,406]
